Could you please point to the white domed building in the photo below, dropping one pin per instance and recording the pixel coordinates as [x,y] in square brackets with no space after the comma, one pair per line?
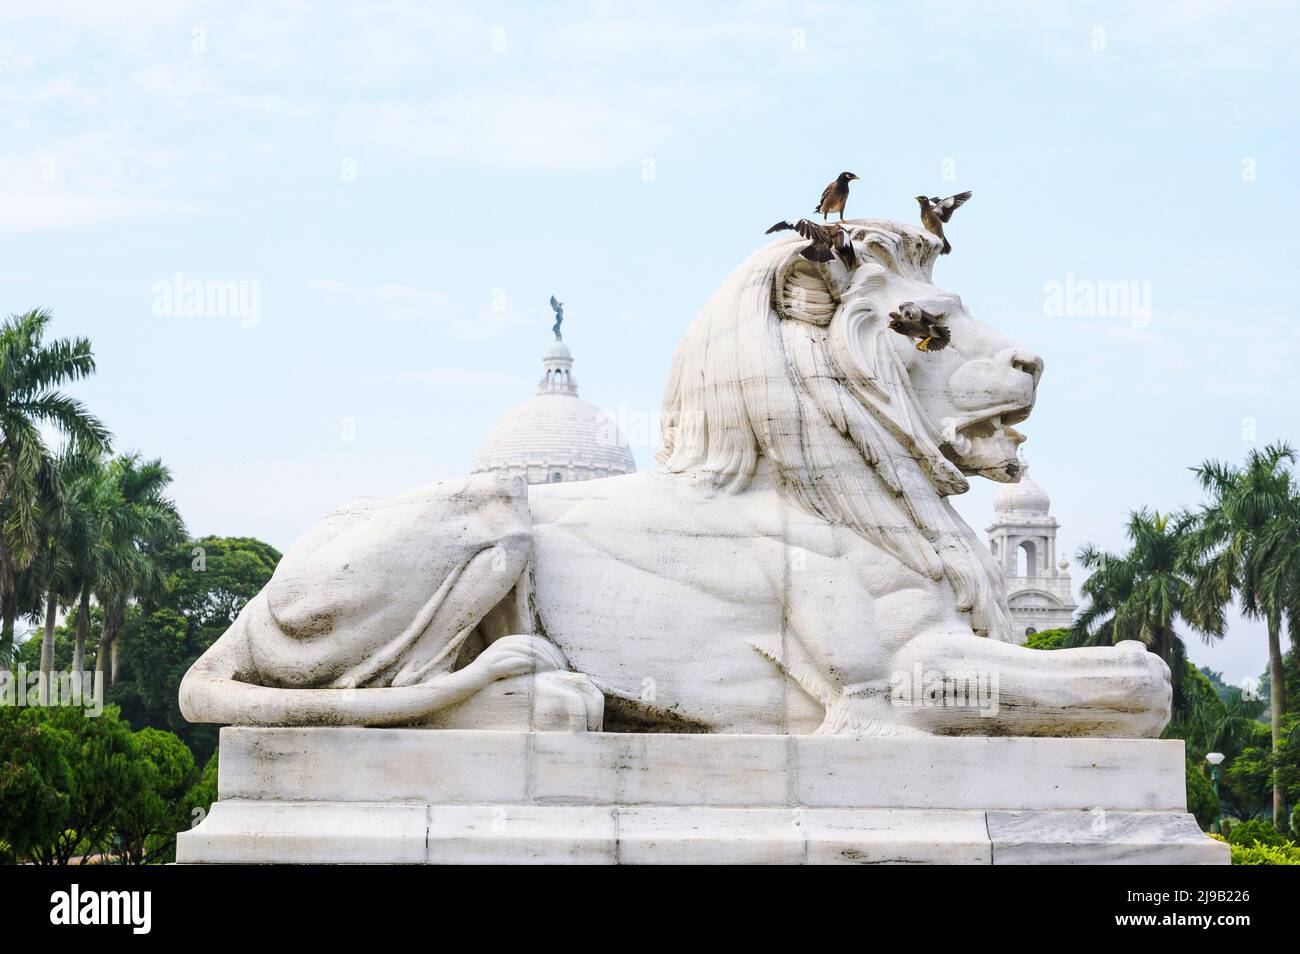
[1023,540]
[556,436]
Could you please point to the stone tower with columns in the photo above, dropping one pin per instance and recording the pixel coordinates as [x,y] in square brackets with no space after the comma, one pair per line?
[1023,540]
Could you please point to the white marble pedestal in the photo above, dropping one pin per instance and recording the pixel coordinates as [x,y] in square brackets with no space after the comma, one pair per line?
[419,796]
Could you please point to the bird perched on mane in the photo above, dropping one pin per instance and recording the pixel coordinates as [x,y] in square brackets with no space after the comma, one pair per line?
[835,195]
[823,240]
[913,321]
[936,211]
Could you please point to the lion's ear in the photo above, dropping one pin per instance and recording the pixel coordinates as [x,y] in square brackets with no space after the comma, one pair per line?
[803,293]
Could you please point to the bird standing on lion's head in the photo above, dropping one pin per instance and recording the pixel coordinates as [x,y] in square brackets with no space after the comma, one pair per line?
[835,195]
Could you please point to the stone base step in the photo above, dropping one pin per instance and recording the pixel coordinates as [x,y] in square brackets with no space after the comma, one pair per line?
[429,796]
[240,831]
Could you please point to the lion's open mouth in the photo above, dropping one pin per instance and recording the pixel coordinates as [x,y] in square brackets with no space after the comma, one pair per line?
[986,445]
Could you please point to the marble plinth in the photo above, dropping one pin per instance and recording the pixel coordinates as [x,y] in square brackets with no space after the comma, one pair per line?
[413,796]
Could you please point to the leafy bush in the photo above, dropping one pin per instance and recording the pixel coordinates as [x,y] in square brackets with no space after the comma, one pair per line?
[1288,853]
[72,785]
[1255,832]
[149,817]
[1264,855]
[35,777]
[104,767]
[1048,639]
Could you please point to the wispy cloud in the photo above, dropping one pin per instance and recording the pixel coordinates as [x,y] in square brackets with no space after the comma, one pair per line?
[394,301]
[168,100]
[59,211]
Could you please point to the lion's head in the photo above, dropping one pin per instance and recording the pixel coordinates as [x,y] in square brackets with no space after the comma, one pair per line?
[795,362]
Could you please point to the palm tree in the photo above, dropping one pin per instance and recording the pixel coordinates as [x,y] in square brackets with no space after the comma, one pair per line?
[91,502]
[119,520]
[1144,593]
[53,566]
[1227,728]
[143,522]
[31,371]
[1245,545]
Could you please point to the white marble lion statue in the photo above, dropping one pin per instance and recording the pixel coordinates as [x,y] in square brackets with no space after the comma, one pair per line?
[792,565]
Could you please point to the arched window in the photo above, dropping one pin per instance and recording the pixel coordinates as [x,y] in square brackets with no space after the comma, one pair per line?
[1027,559]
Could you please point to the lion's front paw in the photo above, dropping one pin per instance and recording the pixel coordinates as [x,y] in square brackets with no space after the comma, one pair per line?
[567,702]
[1137,682]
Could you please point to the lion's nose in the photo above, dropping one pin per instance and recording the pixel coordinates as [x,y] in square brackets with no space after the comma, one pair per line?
[1029,363]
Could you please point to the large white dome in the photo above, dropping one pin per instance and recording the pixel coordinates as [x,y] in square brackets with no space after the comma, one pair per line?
[556,436]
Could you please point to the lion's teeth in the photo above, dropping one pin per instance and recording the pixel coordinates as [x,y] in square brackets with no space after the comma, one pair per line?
[960,444]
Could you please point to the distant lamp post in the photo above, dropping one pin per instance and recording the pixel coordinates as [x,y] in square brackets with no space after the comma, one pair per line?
[1215,759]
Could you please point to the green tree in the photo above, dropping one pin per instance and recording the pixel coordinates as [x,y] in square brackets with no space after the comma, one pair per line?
[210,579]
[105,766]
[29,653]
[92,502]
[34,780]
[49,578]
[1144,593]
[148,818]
[31,373]
[1210,722]
[140,523]
[206,584]
[120,520]
[1201,800]
[1246,544]
[1251,776]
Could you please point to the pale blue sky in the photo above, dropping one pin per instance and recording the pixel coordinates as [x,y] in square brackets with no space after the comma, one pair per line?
[389,173]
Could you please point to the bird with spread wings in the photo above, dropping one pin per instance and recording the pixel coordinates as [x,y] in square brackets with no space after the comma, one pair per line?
[824,240]
[936,211]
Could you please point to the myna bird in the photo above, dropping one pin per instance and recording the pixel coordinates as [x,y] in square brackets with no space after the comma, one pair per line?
[823,241]
[936,211]
[835,195]
[913,321]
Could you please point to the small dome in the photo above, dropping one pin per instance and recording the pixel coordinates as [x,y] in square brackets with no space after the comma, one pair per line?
[558,351]
[1024,496]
